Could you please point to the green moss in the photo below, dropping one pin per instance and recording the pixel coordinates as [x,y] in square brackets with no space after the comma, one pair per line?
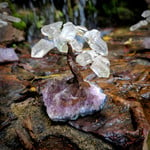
[40,22]
[26,16]
[20,25]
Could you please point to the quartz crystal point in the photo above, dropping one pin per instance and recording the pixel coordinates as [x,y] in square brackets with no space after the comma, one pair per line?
[76,45]
[62,104]
[81,30]
[41,48]
[146,13]
[93,38]
[100,66]
[68,31]
[138,25]
[52,30]
[148,19]
[67,34]
[61,44]
[84,59]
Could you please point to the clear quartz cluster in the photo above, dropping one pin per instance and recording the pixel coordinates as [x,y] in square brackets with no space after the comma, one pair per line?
[60,34]
[146,15]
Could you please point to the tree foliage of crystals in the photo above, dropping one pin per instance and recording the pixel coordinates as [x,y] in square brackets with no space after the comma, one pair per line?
[60,35]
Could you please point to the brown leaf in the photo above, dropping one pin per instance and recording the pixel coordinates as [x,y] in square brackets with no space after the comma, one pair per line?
[26,143]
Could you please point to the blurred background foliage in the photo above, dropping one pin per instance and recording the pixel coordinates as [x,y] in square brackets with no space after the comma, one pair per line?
[89,13]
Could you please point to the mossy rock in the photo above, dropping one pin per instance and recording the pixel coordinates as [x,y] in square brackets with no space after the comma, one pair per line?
[20,25]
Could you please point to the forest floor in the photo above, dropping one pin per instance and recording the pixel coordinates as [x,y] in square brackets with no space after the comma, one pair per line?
[124,121]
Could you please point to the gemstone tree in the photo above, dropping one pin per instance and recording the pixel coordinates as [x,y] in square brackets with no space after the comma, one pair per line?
[66,99]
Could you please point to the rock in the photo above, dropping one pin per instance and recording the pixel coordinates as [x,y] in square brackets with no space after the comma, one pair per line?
[10,18]
[146,43]
[8,55]
[115,124]
[3,5]
[9,34]
[45,130]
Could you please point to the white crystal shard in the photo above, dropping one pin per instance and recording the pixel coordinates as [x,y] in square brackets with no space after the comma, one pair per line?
[76,46]
[41,48]
[77,43]
[84,59]
[104,60]
[93,54]
[138,25]
[93,38]
[101,67]
[81,30]
[52,30]
[143,22]
[61,44]
[146,13]
[148,19]
[68,32]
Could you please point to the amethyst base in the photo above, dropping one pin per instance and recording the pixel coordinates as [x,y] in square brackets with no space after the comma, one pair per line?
[66,101]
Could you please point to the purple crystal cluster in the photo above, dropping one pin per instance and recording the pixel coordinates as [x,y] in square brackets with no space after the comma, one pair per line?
[65,101]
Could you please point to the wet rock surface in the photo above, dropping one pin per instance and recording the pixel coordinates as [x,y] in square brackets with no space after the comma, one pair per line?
[9,34]
[24,123]
[8,55]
